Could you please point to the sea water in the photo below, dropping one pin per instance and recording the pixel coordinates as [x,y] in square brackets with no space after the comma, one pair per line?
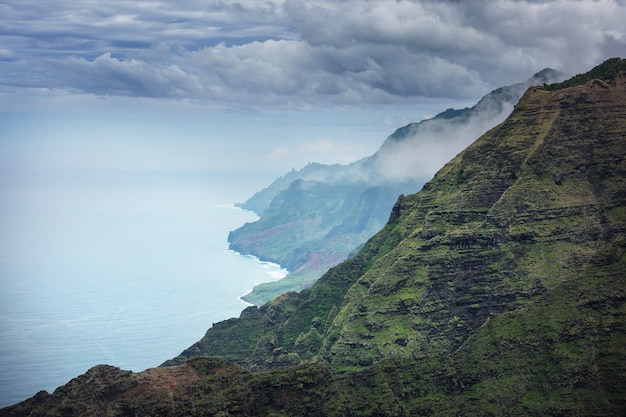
[125,269]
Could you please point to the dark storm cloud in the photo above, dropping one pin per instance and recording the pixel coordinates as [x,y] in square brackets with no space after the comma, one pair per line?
[301,51]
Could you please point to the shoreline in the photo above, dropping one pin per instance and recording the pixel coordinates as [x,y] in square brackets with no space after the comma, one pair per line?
[273,270]
[111,320]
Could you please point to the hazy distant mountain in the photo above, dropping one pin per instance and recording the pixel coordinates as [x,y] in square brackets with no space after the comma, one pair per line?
[497,290]
[418,150]
[313,218]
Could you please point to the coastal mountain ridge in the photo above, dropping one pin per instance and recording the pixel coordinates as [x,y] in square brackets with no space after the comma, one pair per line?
[312,219]
[498,289]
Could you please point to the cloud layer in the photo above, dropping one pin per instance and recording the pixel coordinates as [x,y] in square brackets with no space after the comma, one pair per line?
[294,52]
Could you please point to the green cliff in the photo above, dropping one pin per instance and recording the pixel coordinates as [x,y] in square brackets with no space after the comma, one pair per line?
[314,218]
[497,290]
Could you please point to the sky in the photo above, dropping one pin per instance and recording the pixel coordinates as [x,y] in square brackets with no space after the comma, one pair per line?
[265,85]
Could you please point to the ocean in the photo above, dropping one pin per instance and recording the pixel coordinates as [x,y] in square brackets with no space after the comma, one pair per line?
[119,268]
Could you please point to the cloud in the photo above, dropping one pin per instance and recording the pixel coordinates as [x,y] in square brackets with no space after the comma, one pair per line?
[295,53]
[414,25]
[418,150]
[419,157]
[130,77]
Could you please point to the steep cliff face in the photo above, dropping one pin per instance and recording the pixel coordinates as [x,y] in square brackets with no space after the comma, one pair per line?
[505,271]
[512,217]
[312,219]
[498,289]
[519,213]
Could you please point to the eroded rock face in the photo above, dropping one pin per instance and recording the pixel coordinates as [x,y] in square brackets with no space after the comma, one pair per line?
[534,200]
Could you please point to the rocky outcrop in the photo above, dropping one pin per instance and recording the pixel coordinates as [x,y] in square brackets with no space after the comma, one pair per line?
[201,387]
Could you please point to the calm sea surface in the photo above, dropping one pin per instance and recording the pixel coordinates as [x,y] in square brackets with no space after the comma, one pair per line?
[123,269]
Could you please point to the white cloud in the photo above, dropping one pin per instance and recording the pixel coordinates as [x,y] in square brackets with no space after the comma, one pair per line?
[296,53]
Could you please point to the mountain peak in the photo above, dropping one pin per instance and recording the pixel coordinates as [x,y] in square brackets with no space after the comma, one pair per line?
[414,151]
[547,76]
[488,106]
[608,71]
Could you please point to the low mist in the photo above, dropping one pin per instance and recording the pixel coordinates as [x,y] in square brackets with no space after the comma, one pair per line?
[431,145]
[417,151]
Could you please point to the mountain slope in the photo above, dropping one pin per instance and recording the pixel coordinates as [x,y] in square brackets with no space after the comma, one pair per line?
[515,215]
[505,221]
[498,289]
[314,218]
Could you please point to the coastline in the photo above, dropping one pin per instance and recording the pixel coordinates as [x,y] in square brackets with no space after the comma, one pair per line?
[273,270]
[137,284]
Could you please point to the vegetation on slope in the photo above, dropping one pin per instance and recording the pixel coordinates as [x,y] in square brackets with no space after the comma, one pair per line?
[607,72]
[314,218]
[520,216]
